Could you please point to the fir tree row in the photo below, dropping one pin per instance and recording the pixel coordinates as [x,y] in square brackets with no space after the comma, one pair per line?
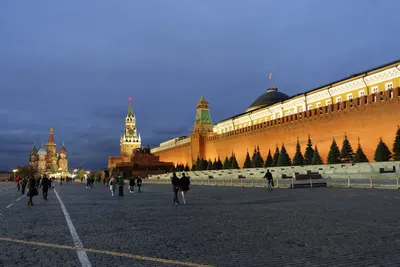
[311,156]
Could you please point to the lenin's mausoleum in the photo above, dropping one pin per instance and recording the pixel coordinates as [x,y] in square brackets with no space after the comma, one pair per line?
[363,106]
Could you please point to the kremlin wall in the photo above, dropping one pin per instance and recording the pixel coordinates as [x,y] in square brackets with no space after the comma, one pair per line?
[364,105]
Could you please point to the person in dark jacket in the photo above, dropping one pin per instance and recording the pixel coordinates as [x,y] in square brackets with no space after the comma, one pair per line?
[269,178]
[139,183]
[184,186]
[45,184]
[32,190]
[132,185]
[121,186]
[175,187]
[23,182]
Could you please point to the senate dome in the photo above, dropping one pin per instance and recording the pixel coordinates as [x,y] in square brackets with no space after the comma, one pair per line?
[270,97]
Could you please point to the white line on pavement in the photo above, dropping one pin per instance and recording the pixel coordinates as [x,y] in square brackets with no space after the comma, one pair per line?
[78,244]
[10,205]
[18,199]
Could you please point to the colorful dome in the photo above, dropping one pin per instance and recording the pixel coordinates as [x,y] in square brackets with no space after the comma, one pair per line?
[42,151]
[34,151]
[63,150]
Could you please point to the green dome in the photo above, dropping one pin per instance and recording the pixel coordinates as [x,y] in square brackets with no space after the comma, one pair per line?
[34,151]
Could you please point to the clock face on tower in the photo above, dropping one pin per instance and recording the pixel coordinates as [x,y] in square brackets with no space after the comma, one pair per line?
[131,131]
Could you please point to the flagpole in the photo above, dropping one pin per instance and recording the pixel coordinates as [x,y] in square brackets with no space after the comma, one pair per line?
[270,80]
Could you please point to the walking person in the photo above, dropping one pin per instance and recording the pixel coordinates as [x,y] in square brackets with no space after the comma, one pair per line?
[139,183]
[132,185]
[175,187]
[23,182]
[184,186]
[17,181]
[113,185]
[121,186]
[87,182]
[270,180]
[45,184]
[32,190]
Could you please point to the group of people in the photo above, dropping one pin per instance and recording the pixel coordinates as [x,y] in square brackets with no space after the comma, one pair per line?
[119,180]
[180,184]
[32,184]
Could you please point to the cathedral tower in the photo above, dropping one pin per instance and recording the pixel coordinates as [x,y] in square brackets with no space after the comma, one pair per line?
[51,150]
[42,161]
[63,162]
[130,139]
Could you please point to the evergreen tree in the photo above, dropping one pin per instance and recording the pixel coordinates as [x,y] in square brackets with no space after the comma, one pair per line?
[204,164]
[253,158]
[396,145]
[219,164]
[209,165]
[198,164]
[347,153]
[193,167]
[214,164]
[247,161]
[316,159]
[269,162]
[334,153]
[359,156]
[276,157]
[227,164]
[187,168]
[382,152]
[284,159]
[234,163]
[298,158]
[260,160]
[309,153]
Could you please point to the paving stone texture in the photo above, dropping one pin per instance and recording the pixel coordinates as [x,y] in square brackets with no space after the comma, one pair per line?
[220,226]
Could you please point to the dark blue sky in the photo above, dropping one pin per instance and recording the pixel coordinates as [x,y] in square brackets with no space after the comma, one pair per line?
[73,64]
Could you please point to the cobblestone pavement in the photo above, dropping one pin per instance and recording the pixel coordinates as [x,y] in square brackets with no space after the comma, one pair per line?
[221,226]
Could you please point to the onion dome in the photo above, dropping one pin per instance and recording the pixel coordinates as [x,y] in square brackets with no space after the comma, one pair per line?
[63,150]
[42,151]
[34,151]
[271,97]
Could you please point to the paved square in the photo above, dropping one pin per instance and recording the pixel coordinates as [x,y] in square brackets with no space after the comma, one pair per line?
[221,226]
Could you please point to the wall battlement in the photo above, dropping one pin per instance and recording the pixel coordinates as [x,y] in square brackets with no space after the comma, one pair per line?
[360,104]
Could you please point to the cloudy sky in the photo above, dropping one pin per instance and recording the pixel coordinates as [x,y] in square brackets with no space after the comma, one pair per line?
[73,64]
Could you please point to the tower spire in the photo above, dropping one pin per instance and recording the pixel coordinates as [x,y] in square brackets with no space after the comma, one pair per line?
[203,121]
[51,136]
[130,112]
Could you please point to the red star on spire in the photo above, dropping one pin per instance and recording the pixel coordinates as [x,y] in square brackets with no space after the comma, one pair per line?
[130,99]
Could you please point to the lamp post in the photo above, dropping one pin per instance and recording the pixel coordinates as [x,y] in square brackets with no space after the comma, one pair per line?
[14,171]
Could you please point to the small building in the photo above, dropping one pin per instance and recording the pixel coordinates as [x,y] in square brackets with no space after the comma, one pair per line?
[142,163]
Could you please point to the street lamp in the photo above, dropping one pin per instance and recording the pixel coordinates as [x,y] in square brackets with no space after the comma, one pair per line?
[14,171]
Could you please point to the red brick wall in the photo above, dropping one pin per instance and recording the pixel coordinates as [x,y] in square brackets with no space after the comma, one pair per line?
[180,154]
[368,121]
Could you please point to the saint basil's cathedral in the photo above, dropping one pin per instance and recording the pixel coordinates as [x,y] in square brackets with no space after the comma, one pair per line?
[47,160]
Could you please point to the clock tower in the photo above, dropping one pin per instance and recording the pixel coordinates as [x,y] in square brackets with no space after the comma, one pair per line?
[130,140]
